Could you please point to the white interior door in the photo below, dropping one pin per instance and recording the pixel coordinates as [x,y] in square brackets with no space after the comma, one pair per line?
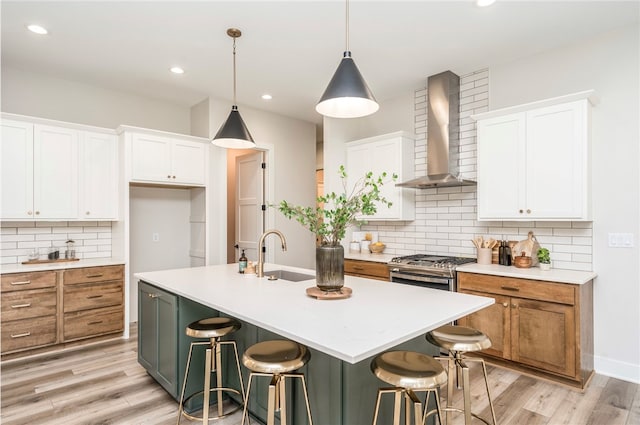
[249,203]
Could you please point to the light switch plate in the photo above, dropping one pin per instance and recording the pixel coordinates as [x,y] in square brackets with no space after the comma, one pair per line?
[621,240]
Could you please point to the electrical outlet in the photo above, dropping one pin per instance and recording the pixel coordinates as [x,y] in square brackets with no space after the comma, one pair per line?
[155,237]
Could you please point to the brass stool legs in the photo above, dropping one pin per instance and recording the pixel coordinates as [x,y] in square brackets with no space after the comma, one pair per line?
[411,404]
[456,365]
[277,401]
[213,363]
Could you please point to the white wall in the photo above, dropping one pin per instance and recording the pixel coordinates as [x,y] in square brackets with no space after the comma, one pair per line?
[292,175]
[610,65]
[40,95]
[164,211]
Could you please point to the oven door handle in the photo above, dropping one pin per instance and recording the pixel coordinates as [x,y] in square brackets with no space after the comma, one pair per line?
[420,278]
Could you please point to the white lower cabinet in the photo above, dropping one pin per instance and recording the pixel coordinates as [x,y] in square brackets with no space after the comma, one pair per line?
[167,160]
[533,161]
[391,153]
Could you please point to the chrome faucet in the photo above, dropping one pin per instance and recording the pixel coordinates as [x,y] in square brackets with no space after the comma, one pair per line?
[260,266]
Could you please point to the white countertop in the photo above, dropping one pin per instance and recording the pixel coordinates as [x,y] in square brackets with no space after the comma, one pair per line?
[89,262]
[367,256]
[554,275]
[378,316]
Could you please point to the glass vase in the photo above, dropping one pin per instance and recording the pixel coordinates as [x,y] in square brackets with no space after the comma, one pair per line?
[330,267]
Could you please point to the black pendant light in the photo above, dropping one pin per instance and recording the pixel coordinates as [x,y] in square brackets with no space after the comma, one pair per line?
[347,95]
[233,134]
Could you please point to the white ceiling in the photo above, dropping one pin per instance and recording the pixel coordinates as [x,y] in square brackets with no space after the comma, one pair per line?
[288,49]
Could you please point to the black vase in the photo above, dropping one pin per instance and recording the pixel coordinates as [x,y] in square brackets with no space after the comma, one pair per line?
[330,267]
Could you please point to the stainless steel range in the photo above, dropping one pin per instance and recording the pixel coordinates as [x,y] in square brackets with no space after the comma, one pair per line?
[430,271]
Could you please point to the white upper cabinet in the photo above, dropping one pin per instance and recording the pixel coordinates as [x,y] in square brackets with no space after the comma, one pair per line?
[98,176]
[533,161]
[53,172]
[167,160]
[39,172]
[17,170]
[390,153]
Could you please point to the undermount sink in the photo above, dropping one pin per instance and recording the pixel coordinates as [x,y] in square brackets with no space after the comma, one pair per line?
[287,275]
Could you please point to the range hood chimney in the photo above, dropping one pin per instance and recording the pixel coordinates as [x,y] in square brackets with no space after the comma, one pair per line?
[443,134]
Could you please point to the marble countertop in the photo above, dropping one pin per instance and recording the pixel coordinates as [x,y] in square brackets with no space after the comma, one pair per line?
[378,316]
[554,275]
[89,262]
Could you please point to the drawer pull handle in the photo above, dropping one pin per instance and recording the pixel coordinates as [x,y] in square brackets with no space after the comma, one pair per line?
[153,295]
[21,335]
[89,297]
[97,322]
[21,305]
[22,282]
[358,268]
[94,275]
[509,288]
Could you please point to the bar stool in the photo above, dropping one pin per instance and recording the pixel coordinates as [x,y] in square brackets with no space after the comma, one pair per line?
[409,372]
[276,358]
[459,340]
[213,328]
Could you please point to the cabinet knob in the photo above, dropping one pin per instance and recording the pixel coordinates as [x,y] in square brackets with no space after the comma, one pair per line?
[174,177]
[520,211]
[528,211]
[29,212]
[88,212]
[37,212]
[505,304]
[169,176]
[514,305]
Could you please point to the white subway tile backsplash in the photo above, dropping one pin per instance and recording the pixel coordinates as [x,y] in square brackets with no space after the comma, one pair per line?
[93,239]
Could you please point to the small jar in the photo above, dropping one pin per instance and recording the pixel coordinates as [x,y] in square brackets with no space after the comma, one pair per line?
[70,252]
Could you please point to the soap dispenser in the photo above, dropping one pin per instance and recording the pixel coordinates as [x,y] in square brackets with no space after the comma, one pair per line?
[242,262]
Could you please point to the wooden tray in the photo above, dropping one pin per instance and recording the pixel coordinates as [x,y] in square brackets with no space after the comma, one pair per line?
[59,260]
[318,293]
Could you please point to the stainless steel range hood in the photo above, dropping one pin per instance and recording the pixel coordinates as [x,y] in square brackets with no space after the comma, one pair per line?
[443,134]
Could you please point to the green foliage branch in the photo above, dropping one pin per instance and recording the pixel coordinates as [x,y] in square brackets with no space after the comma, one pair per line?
[330,222]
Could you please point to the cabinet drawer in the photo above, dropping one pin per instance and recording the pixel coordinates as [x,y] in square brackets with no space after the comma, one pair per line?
[521,288]
[89,323]
[27,304]
[93,274]
[92,295]
[367,268]
[21,334]
[26,281]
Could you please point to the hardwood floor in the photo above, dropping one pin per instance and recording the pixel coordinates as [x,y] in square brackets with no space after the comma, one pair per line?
[104,384]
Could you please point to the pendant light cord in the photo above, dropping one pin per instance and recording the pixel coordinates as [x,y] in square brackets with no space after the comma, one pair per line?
[347,26]
[234,71]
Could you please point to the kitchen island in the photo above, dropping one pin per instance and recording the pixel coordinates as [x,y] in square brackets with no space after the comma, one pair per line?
[343,335]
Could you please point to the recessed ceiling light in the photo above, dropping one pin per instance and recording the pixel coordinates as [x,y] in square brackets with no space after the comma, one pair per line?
[484,3]
[37,29]
[177,70]
[267,97]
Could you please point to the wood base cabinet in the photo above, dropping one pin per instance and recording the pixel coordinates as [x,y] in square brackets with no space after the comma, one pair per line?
[50,309]
[544,327]
[369,269]
[29,310]
[93,299]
